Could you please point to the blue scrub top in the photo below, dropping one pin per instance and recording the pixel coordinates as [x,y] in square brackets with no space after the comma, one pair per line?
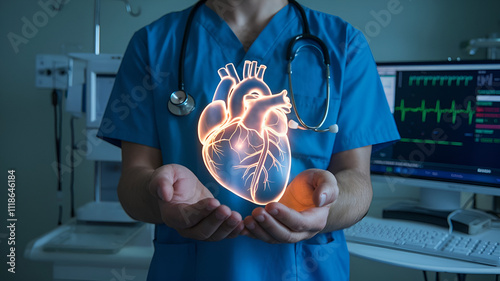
[137,112]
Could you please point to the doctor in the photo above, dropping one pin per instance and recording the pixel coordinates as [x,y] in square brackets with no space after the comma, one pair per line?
[203,231]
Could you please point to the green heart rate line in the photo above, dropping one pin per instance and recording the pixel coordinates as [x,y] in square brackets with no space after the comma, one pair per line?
[452,143]
[437,109]
[434,80]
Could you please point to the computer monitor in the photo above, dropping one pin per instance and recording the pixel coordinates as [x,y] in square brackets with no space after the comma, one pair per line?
[448,116]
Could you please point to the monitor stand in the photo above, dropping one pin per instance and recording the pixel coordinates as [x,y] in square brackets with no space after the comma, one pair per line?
[439,200]
[496,204]
[434,207]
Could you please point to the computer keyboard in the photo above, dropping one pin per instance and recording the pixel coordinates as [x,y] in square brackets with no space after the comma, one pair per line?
[424,239]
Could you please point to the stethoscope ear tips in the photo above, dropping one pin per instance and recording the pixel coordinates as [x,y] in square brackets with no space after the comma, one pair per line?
[292,124]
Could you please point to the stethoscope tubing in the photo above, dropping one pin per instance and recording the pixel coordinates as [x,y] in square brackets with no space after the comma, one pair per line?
[187,106]
[290,55]
[185,37]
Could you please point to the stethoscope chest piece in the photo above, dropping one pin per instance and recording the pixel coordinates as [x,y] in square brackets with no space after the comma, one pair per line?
[180,103]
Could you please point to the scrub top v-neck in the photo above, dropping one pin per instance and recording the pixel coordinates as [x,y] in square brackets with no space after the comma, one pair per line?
[231,47]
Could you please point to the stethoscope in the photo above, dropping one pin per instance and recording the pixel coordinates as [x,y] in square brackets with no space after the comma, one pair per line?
[181,103]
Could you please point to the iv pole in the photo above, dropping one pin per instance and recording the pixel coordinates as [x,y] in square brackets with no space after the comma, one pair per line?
[97,27]
[492,45]
[97,51]
[97,22]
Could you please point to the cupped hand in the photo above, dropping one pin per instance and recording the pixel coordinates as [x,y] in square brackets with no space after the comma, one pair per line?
[300,214]
[190,208]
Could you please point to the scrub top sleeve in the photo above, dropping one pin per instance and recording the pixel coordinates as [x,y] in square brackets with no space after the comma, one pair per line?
[129,114]
[364,115]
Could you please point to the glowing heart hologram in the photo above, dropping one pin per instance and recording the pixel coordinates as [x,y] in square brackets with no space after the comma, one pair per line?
[244,135]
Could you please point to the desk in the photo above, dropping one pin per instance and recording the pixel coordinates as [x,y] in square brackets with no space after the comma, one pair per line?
[418,261]
[424,262]
[132,261]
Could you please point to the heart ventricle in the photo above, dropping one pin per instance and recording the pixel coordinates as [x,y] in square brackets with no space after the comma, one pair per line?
[245,145]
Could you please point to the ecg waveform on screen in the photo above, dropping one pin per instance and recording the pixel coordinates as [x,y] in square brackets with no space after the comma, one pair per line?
[439,80]
[441,142]
[437,109]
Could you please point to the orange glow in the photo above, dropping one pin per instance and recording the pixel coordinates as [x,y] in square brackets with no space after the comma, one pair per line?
[244,135]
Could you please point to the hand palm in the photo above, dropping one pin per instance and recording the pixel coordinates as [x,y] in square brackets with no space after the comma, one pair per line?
[189,207]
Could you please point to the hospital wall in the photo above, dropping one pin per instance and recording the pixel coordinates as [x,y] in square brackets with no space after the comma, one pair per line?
[396,30]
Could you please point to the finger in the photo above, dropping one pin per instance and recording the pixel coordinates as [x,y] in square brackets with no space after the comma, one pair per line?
[209,225]
[229,227]
[276,229]
[257,231]
[237,231]
[182,216]
[312,220]
[247,233]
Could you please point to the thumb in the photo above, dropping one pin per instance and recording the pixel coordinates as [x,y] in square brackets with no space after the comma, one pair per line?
[161,185]
[326,189]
